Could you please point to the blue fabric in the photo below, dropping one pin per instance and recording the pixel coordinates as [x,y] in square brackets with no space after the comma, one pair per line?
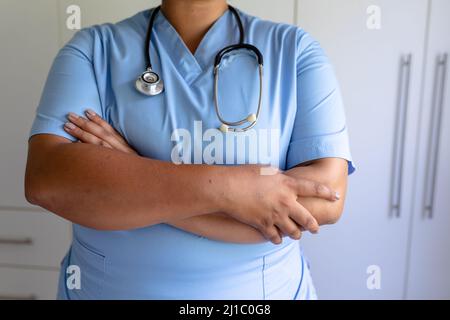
[97,69]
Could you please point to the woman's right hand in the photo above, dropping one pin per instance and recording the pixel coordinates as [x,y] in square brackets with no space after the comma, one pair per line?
[268,202]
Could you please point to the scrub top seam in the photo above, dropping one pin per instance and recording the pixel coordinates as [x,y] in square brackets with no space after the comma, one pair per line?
[301,279]
[263,277]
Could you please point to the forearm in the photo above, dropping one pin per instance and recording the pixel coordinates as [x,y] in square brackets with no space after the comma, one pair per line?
[332,173]
[110,190]
[219,227]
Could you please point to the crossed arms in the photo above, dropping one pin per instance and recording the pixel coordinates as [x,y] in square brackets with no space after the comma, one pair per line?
[104,184]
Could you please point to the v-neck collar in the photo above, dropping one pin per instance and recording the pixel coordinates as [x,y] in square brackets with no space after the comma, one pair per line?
[223,32]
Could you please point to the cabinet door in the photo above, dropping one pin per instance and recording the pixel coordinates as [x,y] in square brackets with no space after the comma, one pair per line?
[379,70]
[29,36]
[38,239]
[28,284]
[429,264]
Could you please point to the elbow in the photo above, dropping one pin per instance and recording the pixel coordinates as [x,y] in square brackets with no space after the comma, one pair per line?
[331,215]
[34,191]
[32,194]
[332,211]
[334,217]
[42,162]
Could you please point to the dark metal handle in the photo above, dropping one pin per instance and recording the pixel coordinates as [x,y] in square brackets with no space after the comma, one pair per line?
[437,105]
[18,297]
[399,135]
[16,241]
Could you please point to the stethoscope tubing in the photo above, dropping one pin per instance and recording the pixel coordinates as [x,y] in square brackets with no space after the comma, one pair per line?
[240,122]
[155,88]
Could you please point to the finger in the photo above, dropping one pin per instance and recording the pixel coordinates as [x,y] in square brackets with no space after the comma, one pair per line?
[109,133]
[273,235]
[308,188]
[279,232]
[304,218]
[289,228]
[84,136]
[96,130]
[270,231]
[94,117]
[89,126]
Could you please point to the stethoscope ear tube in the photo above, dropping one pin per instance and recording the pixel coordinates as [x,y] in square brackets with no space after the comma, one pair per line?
[235,47]
[251,119]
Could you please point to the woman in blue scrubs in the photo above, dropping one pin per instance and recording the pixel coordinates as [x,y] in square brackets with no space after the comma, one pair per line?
[163,204]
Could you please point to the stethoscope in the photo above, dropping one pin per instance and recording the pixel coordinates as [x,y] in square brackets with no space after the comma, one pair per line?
[151,84]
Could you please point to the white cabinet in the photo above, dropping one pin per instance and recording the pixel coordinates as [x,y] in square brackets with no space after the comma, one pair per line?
[32,245]
[428,276]
[381,73]
[37,239]
[29,43]
[26,284]
[32,242]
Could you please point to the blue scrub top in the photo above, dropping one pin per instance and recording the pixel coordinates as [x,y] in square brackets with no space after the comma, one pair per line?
[301,102]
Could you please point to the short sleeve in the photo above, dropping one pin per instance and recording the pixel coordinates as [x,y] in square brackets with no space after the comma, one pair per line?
[70,87]
[320,129]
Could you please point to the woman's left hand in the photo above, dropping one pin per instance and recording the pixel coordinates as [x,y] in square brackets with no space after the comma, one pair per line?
[94,130]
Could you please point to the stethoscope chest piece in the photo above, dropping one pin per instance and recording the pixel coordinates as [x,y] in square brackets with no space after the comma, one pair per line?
[149,83]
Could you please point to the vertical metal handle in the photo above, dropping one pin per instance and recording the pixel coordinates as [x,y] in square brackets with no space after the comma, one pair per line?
[16,241]
[400,134]
[437,105]
[18,297]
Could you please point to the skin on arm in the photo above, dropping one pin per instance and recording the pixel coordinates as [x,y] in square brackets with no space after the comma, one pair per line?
[85,182]
[98,186]
[220,227]
[329,171]
[216,226]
